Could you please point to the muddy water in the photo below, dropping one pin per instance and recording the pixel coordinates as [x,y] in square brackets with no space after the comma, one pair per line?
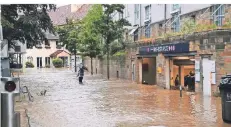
[101,103]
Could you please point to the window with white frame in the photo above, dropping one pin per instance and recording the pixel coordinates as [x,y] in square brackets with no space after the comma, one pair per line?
[176,22]
[126,12]
[219,11]
[137,8]
[147,12]
[120,15]
[175,7]
[47,61]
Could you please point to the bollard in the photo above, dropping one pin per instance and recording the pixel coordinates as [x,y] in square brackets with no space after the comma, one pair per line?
[17,119]
[180,91]
[7,109]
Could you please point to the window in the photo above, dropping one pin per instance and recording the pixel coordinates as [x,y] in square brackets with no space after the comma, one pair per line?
[193,17]
[137,11]
[29,46]
[176,23]
[126,12]
[47,42]
[47,61]
[147,12]
[39,45]
[120,15]
[147,31]
[175,7]
[136,35]
[160,29]
[218,16]
[57,43]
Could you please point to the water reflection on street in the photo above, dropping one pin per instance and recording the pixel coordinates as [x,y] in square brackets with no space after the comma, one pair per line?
[101,103]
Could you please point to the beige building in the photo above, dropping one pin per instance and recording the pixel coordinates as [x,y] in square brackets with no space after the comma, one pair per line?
[41,55]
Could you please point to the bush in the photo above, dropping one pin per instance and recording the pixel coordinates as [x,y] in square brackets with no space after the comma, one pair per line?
[29,65]
[57,62]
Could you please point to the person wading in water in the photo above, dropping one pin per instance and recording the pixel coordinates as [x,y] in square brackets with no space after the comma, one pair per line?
[81,73]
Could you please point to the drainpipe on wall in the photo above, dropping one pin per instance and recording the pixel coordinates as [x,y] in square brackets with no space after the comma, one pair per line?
[140,14]
[165,15]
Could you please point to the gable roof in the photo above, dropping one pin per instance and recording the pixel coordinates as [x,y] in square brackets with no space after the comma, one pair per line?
[57,52]
[59,16]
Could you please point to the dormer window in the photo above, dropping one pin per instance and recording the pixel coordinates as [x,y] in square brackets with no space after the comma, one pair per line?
[39,45]
[47,43]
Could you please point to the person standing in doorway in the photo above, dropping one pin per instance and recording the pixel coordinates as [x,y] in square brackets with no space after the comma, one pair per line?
[191,82]
[177,80]
[186,81]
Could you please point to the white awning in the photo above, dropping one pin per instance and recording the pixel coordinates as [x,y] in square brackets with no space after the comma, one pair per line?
[133,30]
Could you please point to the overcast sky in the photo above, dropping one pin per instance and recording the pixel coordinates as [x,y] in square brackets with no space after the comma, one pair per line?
[58,5]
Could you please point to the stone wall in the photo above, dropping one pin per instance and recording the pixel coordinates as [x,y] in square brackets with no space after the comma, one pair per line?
[119,67]
[161,76]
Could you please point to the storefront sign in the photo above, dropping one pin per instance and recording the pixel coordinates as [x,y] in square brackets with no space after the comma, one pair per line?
[168,48]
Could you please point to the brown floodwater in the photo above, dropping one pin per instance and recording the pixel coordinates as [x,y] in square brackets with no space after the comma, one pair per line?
[101,103]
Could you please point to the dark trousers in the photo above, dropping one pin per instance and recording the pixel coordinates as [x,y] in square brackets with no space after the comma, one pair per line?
[80,79]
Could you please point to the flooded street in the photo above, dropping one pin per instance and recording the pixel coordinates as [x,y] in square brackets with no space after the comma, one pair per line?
[101,103]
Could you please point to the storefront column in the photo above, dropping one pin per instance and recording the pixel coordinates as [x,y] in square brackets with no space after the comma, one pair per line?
[182,75]
[167,73]
[171,72]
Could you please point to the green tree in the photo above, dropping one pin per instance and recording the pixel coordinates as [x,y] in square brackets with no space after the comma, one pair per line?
[109,28]
[26,22]
[90,38]
[69,34]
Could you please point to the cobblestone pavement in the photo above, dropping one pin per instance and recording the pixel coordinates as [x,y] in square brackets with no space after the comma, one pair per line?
[102,103]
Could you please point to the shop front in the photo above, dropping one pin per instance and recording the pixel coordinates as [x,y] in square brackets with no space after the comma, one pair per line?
[172,61]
